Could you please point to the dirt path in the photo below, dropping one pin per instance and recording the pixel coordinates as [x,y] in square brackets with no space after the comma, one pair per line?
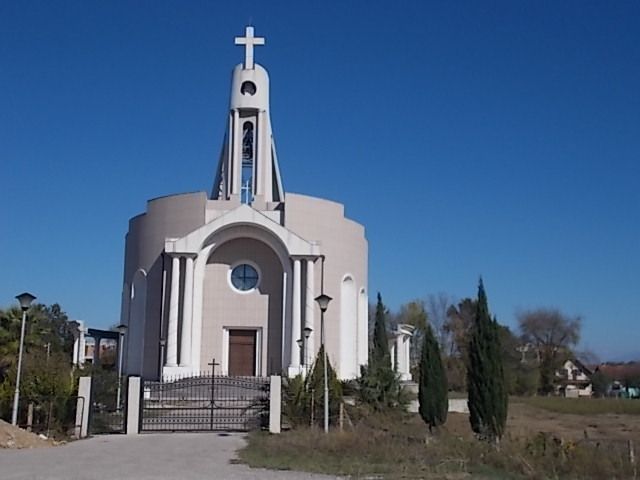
[14,437]
[140,457]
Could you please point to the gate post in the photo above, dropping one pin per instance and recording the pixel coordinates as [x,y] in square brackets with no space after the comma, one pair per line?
[83,406]
[275,405]
[133,406]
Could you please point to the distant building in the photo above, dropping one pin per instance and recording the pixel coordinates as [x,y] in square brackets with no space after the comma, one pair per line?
[624,378]
[574,379]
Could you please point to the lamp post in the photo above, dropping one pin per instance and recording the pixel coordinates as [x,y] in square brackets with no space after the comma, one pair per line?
[306,331]
[121,331]
[163,344]
[323,302]
[25,300]
[302,344]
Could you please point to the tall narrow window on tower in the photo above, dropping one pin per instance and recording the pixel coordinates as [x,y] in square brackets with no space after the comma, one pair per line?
[247,162]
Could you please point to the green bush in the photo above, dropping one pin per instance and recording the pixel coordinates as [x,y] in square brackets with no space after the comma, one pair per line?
[304,397]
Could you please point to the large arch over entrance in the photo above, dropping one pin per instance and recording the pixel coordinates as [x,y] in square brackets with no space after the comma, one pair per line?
[242,307]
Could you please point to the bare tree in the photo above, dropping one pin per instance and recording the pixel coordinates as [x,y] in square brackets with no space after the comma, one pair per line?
[437,306]
[458,325]
[414,313]
[553,335]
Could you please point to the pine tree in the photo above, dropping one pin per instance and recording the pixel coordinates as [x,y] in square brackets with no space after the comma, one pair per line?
[488,399]
[432,387]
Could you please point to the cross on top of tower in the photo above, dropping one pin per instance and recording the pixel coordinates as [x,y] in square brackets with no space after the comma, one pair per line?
[249,41]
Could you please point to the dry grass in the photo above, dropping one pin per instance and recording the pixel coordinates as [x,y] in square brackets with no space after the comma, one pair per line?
[538,445]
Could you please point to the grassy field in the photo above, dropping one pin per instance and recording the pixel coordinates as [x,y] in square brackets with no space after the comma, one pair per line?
[539,444]
[584,406]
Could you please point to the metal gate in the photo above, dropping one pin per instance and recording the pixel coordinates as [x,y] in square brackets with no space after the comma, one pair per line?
[205,403]
[108,408]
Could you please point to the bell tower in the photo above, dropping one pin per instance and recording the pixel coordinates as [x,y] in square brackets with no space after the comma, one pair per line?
[248,165]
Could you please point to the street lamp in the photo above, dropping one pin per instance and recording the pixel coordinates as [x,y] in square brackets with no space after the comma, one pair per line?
[163,344]
[122,329]
[302,344]
[323,302]
[25,300]
[306,331]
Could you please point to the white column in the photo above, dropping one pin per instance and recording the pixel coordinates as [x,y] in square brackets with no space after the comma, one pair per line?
[294,367]
[407,356]
[309,313]
[82,346]
[187,314]
[174,300]
[237,153]
[399,353]
[392,354]
[284,320]
[76,350]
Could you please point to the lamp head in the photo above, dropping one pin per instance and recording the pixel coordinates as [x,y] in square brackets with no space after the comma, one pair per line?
[122,329]
[323,302]
[307,332]
[25,300]
[299,342]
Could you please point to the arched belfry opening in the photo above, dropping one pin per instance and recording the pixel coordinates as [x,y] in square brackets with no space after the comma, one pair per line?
[248,165]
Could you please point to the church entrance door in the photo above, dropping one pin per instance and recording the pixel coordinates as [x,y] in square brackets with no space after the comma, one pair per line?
[242,353]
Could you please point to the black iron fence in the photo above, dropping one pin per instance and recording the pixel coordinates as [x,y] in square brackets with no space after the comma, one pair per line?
[205,403]
[51,415]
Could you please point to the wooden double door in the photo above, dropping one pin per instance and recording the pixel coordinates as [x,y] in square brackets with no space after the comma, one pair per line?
[242,353]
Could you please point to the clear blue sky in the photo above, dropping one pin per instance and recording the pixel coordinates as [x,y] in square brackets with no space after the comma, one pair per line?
[470,138]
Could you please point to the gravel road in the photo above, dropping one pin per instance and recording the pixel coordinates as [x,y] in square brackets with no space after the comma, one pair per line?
[174,456]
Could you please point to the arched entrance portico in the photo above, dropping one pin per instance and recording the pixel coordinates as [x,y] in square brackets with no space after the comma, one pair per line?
[213,310]
[242,308]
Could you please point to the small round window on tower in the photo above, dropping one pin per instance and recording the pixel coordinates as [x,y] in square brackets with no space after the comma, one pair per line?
[248,88]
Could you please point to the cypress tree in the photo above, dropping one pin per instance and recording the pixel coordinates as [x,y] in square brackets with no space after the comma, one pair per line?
[378,384]
[380,350]
[488,399]
[432,387]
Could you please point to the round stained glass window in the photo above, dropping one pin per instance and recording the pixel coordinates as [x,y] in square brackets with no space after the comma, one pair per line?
[244,277]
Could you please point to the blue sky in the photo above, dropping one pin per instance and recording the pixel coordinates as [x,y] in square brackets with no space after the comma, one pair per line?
[499,139]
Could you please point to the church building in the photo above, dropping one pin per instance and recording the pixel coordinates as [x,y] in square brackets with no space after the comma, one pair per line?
[231,278]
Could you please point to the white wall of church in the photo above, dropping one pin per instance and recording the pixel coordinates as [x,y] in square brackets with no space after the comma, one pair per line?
[345,247]
[166,217]
[137,320]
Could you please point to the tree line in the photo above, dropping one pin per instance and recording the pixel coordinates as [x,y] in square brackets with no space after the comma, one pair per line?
[48,382]
[531,356]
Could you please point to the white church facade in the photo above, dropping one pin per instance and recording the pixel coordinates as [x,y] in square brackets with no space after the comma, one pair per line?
[232,277]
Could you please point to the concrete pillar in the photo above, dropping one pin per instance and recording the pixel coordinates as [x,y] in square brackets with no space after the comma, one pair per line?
[133,406]
[187,314]
[275,403]
[309,313]
[174,300]
[294,367]
[83,405]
